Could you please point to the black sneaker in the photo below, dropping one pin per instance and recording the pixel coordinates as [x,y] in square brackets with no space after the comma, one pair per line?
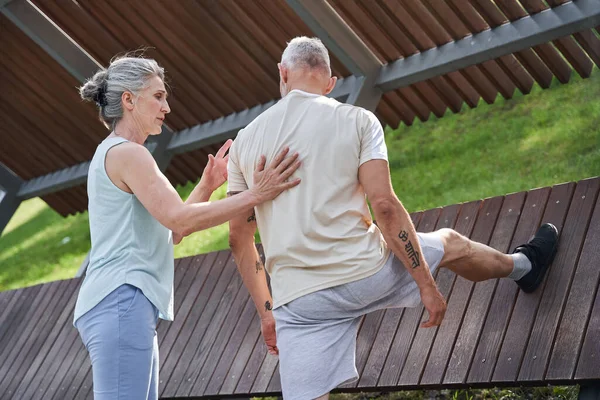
[540,251]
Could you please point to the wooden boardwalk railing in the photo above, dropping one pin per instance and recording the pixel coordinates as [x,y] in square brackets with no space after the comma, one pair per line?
[493,334]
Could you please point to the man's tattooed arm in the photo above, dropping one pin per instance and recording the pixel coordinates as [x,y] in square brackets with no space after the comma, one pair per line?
[249,262]
[412,254]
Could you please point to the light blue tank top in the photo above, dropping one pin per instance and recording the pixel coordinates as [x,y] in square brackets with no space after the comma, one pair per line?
[129,246]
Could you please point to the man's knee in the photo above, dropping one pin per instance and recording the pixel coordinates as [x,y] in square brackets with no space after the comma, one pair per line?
[456,246]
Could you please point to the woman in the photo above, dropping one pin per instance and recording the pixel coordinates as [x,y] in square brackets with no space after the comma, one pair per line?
[135,215]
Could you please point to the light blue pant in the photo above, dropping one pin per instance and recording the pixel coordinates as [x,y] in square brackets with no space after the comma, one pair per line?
[120,336]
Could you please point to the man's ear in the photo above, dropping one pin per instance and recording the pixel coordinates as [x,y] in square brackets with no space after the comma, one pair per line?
[331,84]
[283,72]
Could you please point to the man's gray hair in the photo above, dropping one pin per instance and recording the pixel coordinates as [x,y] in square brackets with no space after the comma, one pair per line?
[105,88]
[305,52]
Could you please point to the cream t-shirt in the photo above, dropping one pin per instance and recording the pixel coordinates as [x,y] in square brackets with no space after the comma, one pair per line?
[318,234]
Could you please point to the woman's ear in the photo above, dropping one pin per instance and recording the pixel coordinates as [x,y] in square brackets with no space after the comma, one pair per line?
[127,100]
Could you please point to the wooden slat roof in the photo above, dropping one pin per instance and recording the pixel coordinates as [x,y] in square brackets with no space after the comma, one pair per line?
[221,57]
[493,334]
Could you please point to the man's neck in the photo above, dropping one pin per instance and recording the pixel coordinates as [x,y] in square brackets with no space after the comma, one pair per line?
[314,89]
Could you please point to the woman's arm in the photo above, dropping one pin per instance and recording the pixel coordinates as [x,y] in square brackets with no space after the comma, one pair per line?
[132,167]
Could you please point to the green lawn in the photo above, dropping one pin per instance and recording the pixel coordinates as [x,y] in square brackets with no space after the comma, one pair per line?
[541,139]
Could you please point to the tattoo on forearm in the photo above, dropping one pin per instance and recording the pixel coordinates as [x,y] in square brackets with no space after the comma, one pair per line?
[410,250]
[268,306]
[403,235]
[412,254]
[259,266]
[252,217]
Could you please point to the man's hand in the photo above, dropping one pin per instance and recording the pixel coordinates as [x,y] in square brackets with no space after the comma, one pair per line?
[267,327]
[434,304]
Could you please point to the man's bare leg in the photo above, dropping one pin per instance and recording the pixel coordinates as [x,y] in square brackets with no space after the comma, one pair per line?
[477,262]
[472,260]
[324,397]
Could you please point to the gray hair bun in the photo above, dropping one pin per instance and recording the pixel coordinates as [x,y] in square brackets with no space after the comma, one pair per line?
[95,88]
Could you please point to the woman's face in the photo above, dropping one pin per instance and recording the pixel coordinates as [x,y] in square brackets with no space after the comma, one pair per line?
[150,107]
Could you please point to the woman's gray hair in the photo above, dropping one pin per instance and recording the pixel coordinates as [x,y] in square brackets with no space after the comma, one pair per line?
[106,87]
[305,52]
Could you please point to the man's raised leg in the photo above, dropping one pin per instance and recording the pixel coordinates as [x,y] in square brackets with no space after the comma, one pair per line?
[477,262]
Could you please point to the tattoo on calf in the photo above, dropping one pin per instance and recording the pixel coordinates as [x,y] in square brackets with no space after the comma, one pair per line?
[259,266]
[252,217]
[268,306]
[410,250]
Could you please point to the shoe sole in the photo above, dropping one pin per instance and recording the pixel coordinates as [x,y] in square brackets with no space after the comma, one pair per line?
[541,276]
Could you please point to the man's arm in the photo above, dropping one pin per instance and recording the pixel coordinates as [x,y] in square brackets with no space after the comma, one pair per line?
[400,234]
[250,266]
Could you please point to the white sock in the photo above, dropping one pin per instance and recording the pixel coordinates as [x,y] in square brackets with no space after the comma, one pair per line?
[522,266]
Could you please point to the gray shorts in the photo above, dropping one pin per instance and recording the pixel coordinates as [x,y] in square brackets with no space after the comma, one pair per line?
[316,333]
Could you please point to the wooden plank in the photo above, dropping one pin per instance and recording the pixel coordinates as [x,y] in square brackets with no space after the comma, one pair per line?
[521,320]
[517,73]
[365,341]
[589,357]
[590,43]
[462,218]
[554,61]
[59,358]
[431,97]
[576,57]
[43,337]
[475,316]
[252,368]
[14,350]
[225,343]
[566,45]
[15,338]
[462,86]
[265,373]
[569,337]
[82,380]
[275,383]
[191,274]
[238,349]
[193,331]
[7,301]
[499,78]
[480,83]
[447,92]
[13,320]
[558,282]
[230,304]
[381,347]
[67,376]
[415,102]
[409,322]
[241,359]
[86,386]
[383,341]
[459,299]
[163,326]
[36,362]
[501,307]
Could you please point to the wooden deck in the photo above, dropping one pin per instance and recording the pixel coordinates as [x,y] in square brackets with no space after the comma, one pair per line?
[492,335]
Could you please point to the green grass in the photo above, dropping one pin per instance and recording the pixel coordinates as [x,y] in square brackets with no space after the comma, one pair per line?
[547,137]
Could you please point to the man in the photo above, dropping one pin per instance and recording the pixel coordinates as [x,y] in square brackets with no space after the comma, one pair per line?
[328,263]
